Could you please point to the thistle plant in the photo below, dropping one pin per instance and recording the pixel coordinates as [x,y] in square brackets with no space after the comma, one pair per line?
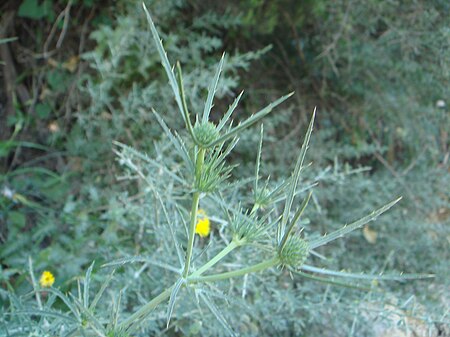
[204,153]
[270,223]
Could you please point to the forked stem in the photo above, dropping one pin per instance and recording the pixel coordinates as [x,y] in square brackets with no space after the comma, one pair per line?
[224,252]
[235,273]
[139,315]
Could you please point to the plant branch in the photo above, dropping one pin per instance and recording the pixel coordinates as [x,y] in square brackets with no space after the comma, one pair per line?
[224,252]
[146,309]
[240,272]
[195,201]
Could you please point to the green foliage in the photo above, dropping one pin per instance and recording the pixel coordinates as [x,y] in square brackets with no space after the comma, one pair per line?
[33,9]
[45,9]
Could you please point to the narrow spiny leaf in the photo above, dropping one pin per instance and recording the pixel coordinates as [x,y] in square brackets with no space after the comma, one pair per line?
[173,297]
[295,179]
[251,120]
[368,277]
[87,282]
[212,91]
[165,61]
[351,227]
[230,111]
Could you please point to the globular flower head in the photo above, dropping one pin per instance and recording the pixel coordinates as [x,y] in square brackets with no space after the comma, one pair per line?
[295,252]
[202,227]
[205,133]
[47,279]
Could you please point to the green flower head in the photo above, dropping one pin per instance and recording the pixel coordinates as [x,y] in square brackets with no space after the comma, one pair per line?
[295,252]
[205,133]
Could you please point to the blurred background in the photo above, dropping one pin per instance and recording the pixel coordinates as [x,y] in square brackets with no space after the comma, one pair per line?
[78,74]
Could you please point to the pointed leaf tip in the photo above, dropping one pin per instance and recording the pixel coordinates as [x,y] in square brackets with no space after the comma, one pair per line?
[351,227]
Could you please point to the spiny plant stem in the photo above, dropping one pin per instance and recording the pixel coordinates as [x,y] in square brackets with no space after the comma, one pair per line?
[139,315]
[240,272]
[199,164]
[224,252]
[195,200]
[34,283]
[195,277]
[194,209]
[147,308]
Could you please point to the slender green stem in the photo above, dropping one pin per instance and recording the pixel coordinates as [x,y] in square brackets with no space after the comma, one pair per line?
[139,315]
[34,283]
[194,209]
[199,164]
[146,309]
[195,200]
[240,272]
[224,252]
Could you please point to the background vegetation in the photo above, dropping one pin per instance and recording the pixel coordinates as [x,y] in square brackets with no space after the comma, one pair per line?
[80,74]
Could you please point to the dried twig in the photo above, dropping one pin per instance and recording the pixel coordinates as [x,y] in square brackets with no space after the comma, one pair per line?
[9,74]
[66,15]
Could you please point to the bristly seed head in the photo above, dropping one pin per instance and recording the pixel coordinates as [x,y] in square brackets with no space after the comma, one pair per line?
[205,133]
[295,252]
[248,227]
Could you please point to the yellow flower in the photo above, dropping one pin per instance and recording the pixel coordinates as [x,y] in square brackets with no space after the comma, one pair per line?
[47,279]
[203,225]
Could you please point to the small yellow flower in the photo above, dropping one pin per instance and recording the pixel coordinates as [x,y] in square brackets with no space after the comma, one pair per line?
[203,225]
[47,279]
